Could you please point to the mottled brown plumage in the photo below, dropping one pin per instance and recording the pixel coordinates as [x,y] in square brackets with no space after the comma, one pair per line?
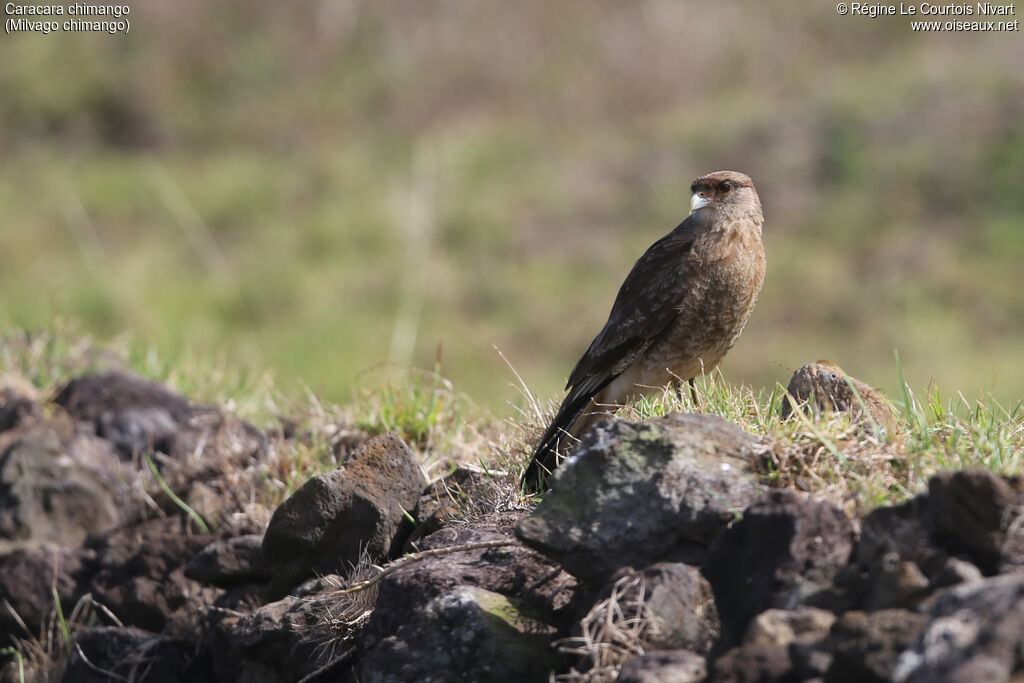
[680,309]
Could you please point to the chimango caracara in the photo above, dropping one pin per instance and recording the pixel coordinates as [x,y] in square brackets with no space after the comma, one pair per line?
[681,308]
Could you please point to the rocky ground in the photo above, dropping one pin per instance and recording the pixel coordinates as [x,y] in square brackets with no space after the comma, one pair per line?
[663,552]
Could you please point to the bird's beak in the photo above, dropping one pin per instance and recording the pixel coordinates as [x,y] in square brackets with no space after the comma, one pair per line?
[698,202]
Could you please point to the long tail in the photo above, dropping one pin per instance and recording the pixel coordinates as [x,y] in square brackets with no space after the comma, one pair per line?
[560,433]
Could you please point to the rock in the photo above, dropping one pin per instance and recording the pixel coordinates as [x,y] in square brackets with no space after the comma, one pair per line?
[905,530]
[513,571]
[811,659]
[973,633]
[46,496]
[229,562]
[277,643]
[754,663]
[893,583]
[867,644]
[802,631]
[664,666]
[27,581]
[782,627]
[212,505]
[783,551]
[18,403]
[638,493]
[336,516]
[895,557]
[108,653]
[667,606]
[135,414]
[976,514]
[446,499]
[138,416]
[140,573]
[903,549]
[679,605]
[469,634]
[823,387]
[955,571]
[682,608]
[242,598]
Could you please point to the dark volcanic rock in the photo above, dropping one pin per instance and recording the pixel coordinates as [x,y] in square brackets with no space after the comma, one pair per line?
[105,654]
[27,581]
[784,626]
[634,494]
[17,404]
[680,605]
[894,583]
[783,551]
[141,572]
[905,551]
[664,666]
[446,499]
[754,663]
[977,514]
[336,516]
[513,571]
[229,562]
[276,643]
[135,414]
[465,634]
[824,387]
[974,632]
[866,644]
[803,631]
[138,416]
[891,539]
[664,496]
[45,495]
[955,571]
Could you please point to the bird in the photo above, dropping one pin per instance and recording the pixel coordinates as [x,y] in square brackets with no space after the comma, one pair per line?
[681,308]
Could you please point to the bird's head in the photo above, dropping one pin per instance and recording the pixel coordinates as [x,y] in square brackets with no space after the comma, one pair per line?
[724,192]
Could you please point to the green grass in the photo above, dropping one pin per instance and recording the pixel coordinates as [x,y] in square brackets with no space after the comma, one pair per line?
[850,464]
[853,463]
[320,193]
[182,505]
[347,220]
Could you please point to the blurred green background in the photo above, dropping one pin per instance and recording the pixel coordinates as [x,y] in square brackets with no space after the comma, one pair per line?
[320,188]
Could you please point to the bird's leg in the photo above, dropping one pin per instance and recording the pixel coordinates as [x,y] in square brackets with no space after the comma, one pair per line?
[693,392]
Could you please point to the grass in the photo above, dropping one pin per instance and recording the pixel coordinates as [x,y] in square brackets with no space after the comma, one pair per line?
[182,505]
[825,453]
[615,630]
[319,192]
[42,656]
[852,464]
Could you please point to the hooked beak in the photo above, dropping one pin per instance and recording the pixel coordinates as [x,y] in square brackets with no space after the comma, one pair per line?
[698,202]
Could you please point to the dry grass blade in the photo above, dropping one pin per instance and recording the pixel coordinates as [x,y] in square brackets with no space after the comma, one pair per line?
[92,667]
[407,560]
[44,656]
[614,631]
[344,614]
[346,609]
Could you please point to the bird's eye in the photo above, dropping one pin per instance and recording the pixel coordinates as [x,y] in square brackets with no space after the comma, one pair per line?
[725,186]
